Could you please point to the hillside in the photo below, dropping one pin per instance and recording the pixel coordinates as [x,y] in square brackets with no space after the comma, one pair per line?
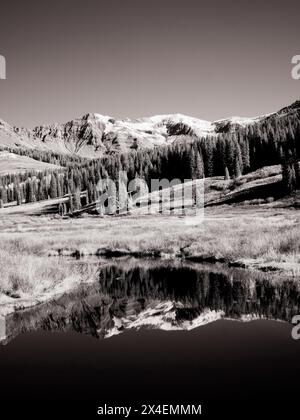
[10,163]
[261,187]
[95,135]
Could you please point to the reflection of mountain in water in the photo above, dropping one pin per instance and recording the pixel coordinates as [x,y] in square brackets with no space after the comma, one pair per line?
[170,296]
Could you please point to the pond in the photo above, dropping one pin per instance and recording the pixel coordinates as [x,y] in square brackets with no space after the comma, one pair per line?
[156,332]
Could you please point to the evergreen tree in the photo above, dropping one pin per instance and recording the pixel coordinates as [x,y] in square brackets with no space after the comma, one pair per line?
[3,194]
[289,176]
[29,195]
[53,187]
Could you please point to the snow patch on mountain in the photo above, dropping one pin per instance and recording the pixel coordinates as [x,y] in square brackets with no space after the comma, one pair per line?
[95,135]
[162,316]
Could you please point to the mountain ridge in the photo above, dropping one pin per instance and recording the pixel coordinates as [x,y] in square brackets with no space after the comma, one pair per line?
[94,135]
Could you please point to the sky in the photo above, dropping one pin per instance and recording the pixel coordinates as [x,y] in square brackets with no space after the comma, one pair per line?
[135,58]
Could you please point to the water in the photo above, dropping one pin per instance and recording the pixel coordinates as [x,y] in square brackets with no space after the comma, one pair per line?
[157,332]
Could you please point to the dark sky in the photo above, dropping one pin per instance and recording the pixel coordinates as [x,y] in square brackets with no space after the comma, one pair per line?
[132,58]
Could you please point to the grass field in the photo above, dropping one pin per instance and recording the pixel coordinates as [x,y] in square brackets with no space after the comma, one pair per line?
[33,249]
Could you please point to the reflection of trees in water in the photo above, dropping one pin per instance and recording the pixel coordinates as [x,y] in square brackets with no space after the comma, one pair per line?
[235,293]
[126,291]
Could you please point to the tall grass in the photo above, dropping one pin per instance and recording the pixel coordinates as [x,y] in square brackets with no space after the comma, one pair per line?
[266,236]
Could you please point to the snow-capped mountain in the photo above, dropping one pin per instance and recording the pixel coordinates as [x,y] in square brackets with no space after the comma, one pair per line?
[163,316]
[95,135]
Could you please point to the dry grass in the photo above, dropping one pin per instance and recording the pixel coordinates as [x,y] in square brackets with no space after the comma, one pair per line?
[260,236]
[29,274]
[35,277]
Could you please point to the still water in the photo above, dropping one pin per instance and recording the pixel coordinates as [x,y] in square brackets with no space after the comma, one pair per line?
[148,332]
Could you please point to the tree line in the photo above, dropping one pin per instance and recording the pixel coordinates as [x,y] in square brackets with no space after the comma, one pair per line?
[275,140]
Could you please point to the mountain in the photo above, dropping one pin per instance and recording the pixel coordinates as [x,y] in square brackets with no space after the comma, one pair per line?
[95,135]
[133,294]
[11,137]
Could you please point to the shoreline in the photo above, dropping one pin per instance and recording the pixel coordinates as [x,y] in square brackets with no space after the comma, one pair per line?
[11,304]
[41,254]
[289,270]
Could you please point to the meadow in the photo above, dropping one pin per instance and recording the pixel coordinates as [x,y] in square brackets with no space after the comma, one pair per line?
[37,253]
